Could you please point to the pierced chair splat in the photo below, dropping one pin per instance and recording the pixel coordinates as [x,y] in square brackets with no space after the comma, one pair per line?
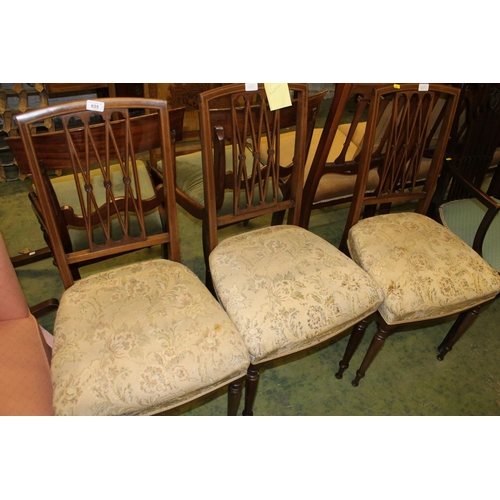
[54,153]
[336,148]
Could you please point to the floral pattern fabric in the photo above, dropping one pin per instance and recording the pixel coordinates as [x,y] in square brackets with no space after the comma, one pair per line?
[425,270]
[139,340]
[287,289]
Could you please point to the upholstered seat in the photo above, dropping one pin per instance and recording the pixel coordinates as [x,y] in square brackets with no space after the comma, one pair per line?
[189,180]
[332,186]
[467,195]
[424,269]
[335,186]
[155,338]
[190,184]
[76,238]
[330,175]
[287,289]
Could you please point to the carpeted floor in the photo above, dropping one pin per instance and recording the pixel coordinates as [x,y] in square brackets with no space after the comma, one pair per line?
[405,378]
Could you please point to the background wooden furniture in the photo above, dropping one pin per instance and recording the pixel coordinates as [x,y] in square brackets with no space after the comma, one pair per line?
[474,145]
[53,151]
[186,95]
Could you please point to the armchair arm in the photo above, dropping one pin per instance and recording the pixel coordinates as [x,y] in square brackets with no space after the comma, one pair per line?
[492,206]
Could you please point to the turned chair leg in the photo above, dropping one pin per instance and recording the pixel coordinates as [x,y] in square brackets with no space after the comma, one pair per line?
[384,330]
[252,381]
[461,325]
[234,396]
[354,340]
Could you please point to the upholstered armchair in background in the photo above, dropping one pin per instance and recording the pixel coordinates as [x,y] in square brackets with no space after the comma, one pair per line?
[25,384]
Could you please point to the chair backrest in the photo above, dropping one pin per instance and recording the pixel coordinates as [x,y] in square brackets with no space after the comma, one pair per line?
[341,143]
[253,131]
[403,141]
[105,152]
[222,117]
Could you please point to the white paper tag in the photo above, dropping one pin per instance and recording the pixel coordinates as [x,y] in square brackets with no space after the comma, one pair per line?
[251,86]
[278,95]
[423,87]
[95,105]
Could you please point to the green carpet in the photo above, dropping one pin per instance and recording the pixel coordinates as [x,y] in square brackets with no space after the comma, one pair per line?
[405,378]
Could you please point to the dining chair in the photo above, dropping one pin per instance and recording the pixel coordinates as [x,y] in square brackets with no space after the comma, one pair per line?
[135,339]
[62,186]
[425,271]
[190,191]
[285,288]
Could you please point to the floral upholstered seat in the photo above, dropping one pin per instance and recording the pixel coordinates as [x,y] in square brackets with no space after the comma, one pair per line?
[424,269]
[139,340]
[284,288]
[287,289]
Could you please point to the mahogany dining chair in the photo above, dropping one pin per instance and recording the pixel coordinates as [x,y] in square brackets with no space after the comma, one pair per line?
[137,339]
[425,271]
[285,288]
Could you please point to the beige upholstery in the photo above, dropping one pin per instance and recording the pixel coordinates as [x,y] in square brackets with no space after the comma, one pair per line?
[331,186]
[424,269]
[139,340]
[25,384]
[287,289]
[339,187]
